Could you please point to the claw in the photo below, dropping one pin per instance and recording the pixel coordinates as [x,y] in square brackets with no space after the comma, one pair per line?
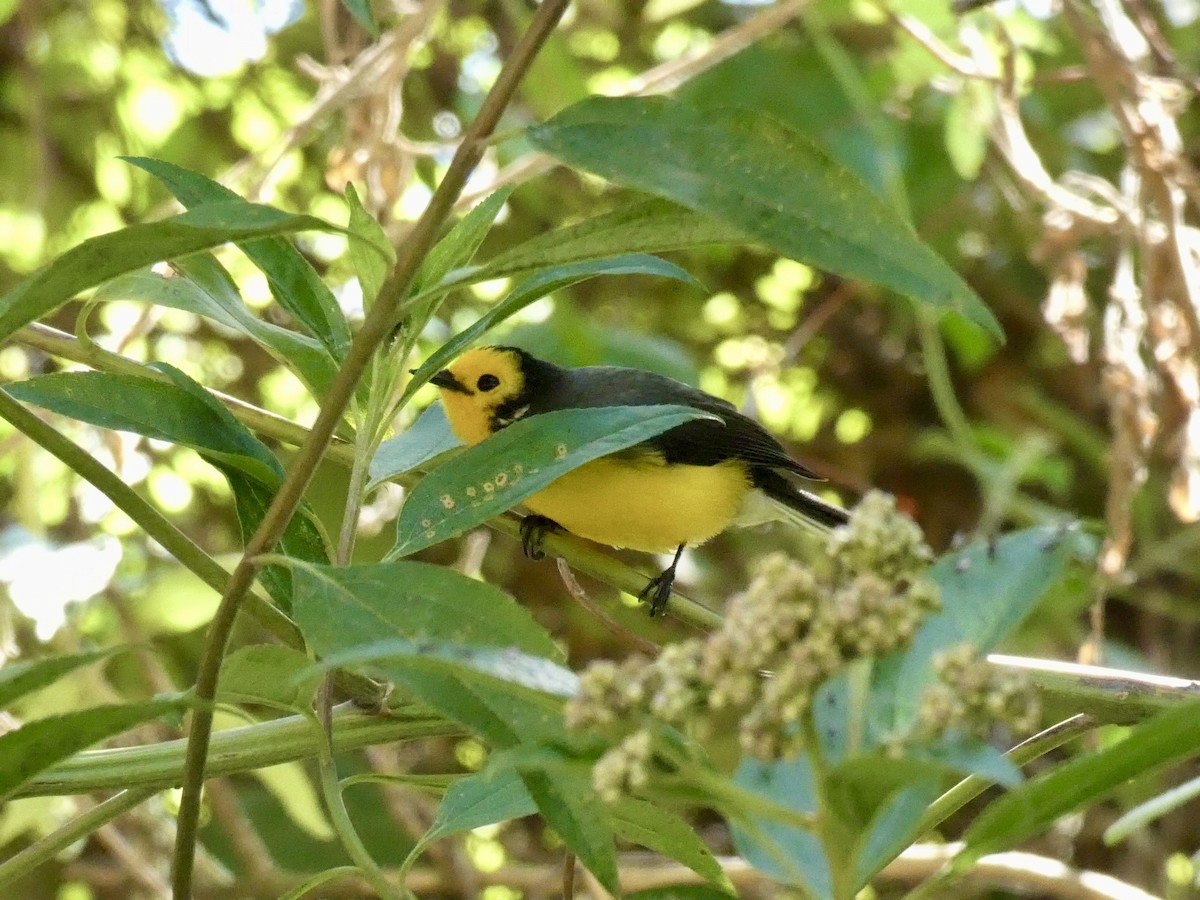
[533,531]
[658,591]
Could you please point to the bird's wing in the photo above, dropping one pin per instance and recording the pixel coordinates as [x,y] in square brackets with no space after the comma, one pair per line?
[702,442]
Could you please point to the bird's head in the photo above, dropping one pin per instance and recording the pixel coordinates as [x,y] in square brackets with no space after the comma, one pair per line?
[484,390]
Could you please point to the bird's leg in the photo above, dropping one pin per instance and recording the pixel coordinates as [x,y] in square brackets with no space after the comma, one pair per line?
[533,531]
[658,591]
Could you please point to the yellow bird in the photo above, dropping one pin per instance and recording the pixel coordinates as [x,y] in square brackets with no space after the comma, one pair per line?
[672,491]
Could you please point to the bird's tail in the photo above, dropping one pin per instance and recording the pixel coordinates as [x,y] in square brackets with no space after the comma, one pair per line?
[797,505]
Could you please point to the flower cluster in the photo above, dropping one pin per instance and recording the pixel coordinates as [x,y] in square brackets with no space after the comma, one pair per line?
[972,697]
[791,629]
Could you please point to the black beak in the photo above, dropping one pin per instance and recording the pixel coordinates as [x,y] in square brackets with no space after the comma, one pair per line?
[445,379]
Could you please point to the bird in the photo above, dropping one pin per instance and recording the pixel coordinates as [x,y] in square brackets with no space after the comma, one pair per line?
[677,489]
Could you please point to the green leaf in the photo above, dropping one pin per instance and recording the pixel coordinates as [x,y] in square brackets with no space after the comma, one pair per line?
[184,413]
[26,676]
[504,663]
[968,124]
[826,100]
[294,283]
[565,798]
[270,674]
[533,289]
[1169,738]
[647,226]
[201,285]
[665,832]
[163,412]
[769,181]
[458,247]
[342,608]
[422,442]
[98,259]
[518,461]
[36,746]
[372,254]
[493,795]
[987,591]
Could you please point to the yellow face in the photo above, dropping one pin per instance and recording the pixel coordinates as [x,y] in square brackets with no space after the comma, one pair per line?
[475,386]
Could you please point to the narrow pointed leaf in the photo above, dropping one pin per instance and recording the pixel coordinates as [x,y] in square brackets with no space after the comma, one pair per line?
[294,283]
[26,676]
[776,185]
[98,259]
[458,247]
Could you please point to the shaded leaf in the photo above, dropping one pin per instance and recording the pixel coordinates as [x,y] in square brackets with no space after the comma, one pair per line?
[372,254]
[202,286]
[422,442]
[769,181]
[26,676]
[36,746]
[518,461]
[270,674]
[1169,738]
[667,833]
[294,283]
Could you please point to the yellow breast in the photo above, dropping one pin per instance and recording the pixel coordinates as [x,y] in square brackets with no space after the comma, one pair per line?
[642,503]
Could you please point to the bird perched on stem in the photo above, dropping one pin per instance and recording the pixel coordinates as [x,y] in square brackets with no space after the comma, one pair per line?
[674,490]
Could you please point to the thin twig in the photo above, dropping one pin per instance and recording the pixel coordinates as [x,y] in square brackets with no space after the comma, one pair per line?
[375,329]
[575,589]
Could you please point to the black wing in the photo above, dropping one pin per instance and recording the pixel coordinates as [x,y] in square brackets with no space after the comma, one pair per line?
[702,442]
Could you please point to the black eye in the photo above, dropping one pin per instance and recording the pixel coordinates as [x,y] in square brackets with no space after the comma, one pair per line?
[487,382]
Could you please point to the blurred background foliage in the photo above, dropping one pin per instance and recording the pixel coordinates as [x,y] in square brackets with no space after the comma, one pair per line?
[287,102]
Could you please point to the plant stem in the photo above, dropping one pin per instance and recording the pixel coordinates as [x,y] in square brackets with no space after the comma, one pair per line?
[375,329]
[836,838]
[45,849]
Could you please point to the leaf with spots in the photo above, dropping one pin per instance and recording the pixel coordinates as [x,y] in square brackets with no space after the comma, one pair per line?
[519,461]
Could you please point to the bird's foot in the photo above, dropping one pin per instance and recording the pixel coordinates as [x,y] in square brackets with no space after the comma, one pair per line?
[658,592]
[533,531]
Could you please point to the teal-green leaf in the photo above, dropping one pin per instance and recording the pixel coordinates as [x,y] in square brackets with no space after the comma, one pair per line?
[782,851]
[774,184]
[38,745]
[987,590]
[26,676]
[518,461]
[422,442]
[98,259]
[361,10]
[294,283]
[535,288]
